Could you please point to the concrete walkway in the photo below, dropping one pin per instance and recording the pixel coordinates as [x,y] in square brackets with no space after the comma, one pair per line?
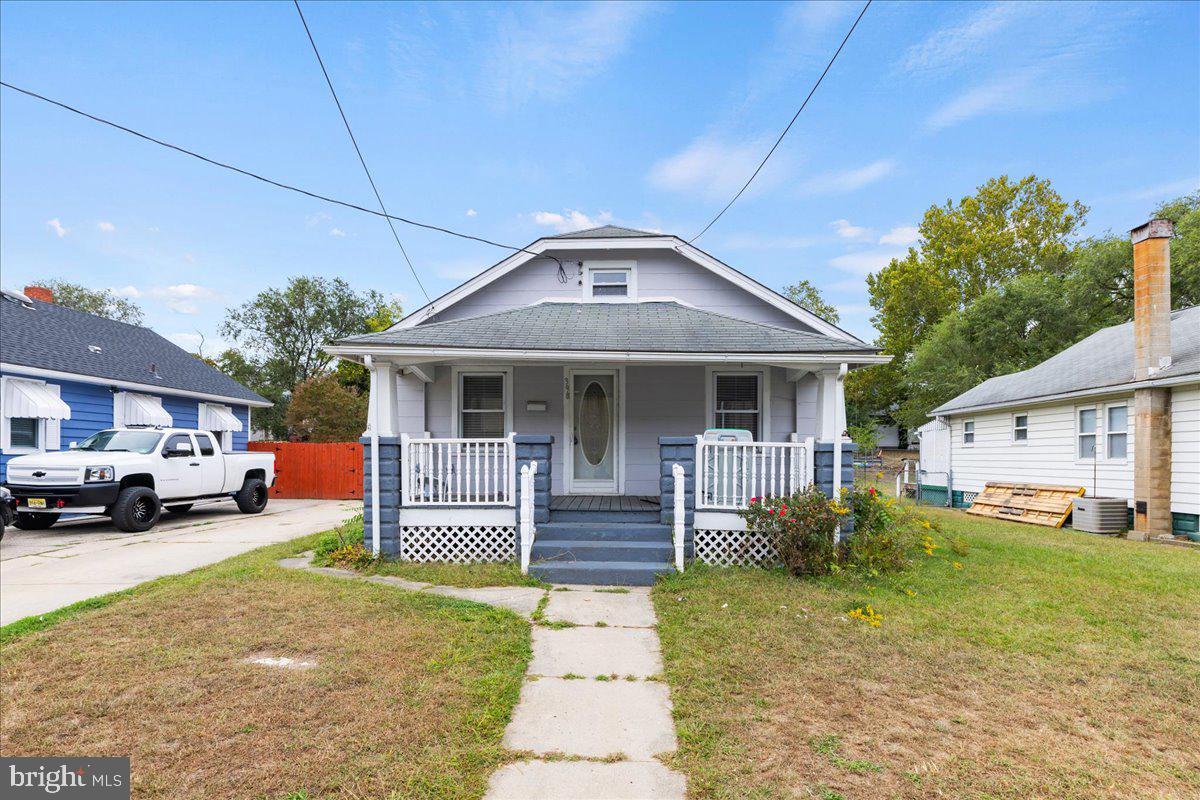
[593,713]
[44,570]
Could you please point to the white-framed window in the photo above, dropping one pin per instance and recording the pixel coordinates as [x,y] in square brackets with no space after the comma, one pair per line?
[610,281]
[1020,428]
[737,401]
[1087,429]
[221,422]
[969,433]
[30,414]
[1116,431]
[482,403]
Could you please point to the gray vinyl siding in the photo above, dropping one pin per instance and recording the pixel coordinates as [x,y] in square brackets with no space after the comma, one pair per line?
[659,401]
[659,274]
[541,383]
[410,405]
[807,415]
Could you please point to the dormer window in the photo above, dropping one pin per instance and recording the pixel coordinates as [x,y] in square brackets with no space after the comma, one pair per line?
[609,281]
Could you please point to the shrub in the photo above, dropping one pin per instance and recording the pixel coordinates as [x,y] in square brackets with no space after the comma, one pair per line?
[800,527]
[346,535]
[886,533]
[353,556]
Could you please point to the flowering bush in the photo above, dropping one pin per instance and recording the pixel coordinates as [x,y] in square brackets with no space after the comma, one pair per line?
[886,533]
[800,527]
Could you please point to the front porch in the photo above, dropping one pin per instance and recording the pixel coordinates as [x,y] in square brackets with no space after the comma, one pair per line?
[602,503]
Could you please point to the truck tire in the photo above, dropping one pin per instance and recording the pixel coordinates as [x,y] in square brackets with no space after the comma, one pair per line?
[181,508]
[35,522]
[137,509]
[252,497]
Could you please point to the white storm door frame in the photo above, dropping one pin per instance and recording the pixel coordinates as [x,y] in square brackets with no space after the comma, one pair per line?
[569,374]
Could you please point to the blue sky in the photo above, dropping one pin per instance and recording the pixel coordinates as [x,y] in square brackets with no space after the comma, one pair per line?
[516,121]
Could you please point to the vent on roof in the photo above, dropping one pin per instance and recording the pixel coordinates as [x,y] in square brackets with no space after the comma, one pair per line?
[95,348]
[17,297]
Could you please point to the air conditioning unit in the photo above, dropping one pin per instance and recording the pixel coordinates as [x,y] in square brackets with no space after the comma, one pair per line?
[1100,514]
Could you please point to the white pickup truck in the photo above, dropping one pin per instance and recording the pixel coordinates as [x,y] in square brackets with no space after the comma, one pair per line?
[131,474]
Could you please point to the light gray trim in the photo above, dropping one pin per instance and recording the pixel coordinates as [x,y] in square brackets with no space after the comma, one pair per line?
[417,516]
[443,353]
[1098,392]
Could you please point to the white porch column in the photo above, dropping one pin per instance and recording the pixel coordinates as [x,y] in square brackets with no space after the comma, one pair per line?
[382,413]
[831,406]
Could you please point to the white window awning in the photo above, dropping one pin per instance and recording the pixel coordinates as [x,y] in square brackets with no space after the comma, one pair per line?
[144,409]
[33,399]
[219,418]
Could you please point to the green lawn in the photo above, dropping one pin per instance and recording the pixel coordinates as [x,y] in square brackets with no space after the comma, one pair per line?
[1052,664]
[408,698]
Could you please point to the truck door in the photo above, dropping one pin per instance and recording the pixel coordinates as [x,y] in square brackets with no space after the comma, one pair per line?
[212,466]
[179,475]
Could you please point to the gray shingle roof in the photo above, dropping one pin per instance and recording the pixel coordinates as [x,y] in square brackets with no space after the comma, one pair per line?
[48,336]
[1103,359]
[645,327]
[606,232]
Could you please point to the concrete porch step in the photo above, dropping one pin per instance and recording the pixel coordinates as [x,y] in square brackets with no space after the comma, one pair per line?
[604,531]
[558,515]
[572,550]
[601,573]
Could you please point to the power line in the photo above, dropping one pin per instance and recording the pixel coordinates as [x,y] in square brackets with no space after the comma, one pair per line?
[796,116]
[270,181]
[354,141]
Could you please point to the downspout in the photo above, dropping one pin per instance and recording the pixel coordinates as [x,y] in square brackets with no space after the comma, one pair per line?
[373,430]
[838,395]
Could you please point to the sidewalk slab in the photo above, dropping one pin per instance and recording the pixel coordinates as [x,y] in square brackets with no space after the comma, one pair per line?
[595,651]
[585,780]
[522,599]
[592,718]
[632,610]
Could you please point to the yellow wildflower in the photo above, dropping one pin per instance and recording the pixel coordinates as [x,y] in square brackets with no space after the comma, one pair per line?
[868,615]
[910,593]
[957,565]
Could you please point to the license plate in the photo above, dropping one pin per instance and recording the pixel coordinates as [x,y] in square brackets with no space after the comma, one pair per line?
[37,502]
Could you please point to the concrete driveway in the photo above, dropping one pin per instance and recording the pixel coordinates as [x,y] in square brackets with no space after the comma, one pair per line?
[44,570]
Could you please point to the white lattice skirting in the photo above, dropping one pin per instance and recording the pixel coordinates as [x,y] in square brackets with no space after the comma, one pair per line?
[733,548]
[461,544]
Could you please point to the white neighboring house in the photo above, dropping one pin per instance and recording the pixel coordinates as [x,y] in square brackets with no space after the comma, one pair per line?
[1072,419]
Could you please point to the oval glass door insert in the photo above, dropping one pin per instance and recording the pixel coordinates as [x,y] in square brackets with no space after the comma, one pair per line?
[594,421]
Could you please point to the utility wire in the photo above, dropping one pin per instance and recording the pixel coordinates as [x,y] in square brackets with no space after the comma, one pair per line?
[270,181]
[354,141]
[796,116]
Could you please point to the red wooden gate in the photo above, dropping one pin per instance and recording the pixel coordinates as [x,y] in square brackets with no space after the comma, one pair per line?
[316,470]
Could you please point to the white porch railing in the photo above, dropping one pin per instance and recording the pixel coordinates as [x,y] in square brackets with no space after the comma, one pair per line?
[458,472]
[728,474]
[525,514]
[679,486]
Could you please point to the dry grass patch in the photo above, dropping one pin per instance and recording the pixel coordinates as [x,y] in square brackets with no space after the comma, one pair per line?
[1053,664]
[408,699]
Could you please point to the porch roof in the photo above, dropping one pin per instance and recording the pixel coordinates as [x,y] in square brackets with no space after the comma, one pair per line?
[655,326]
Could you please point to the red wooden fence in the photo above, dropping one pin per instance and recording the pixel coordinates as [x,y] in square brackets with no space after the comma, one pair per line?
[317,470]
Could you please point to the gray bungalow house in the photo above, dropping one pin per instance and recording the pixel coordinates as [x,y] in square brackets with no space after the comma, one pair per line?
[603,356]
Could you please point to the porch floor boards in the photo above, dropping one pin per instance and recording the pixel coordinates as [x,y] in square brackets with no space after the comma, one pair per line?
[602,502]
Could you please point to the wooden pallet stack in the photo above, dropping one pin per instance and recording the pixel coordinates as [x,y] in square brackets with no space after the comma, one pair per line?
[1035,503]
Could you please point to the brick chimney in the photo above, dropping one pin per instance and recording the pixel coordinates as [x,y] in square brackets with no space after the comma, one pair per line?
[39,293]
[1151,354]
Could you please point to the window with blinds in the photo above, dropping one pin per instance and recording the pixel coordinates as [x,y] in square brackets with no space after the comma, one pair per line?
[737,399]
[481,400]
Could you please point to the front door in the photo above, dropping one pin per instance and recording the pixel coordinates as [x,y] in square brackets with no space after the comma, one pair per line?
[594,436]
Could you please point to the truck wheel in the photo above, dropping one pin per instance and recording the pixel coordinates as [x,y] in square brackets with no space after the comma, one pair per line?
[35,522]
[136,510]
[252,497]
[182,508]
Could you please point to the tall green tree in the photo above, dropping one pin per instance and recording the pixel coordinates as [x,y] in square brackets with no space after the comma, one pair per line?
[101,302]
[280,334]
[805,293]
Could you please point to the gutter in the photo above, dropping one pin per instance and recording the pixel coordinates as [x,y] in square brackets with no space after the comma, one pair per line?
[652,356]
[155,388]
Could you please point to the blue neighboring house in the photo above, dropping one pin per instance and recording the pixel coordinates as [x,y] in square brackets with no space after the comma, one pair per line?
[65,374]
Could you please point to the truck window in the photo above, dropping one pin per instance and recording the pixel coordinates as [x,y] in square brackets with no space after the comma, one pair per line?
[176,439]
[206,445]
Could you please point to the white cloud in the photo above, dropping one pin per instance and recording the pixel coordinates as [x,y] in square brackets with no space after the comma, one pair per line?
[849,180]
[472,212]
[846,230]
[864,262]
[571,220]
[127,291]
[106,227]
[57,227]
[182,297]
[952,46]
[545,52]
[716,169]
[901,235]
[313,220]
[337,232]
[183,306]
